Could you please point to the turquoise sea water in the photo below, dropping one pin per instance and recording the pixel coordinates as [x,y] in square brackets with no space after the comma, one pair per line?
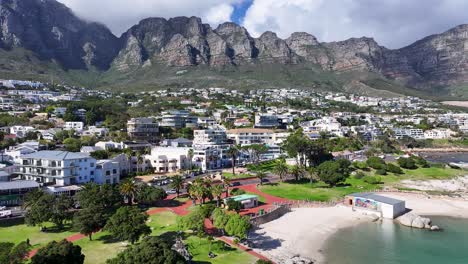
[391,243]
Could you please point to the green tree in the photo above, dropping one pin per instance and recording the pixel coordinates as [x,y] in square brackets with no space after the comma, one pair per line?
[128,189]
[261,175]
[394,168]
[333,172]
[11,254]
[72,144]
[90,220]
[233,152]
[238,226]
[177,184]
[151,250]
[39,212]
[194,221]
[376,163]
[297,172]
[128,223]
[100,154]
[58,253]
[60,210]
[149,195]
[220,218]
[281,168]
[217,192]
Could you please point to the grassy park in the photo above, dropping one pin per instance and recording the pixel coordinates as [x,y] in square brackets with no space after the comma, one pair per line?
[318,191]
[18,232]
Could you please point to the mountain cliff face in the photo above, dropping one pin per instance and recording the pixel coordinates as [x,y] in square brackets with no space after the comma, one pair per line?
[52,32]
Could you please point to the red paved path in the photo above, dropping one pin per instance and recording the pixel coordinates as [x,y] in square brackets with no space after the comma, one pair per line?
[183,210]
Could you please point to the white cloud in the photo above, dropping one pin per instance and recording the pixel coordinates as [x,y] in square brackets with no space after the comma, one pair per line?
[219,14]
[393,23]
[120,15]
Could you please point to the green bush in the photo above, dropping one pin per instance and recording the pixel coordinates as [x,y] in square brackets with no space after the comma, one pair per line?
[359,175]
[381,172]
[372,179]
[394,168]
[376,163]
[407,163]
[261,261]
[360,165]
[207,209]
[234,205]
[237,191]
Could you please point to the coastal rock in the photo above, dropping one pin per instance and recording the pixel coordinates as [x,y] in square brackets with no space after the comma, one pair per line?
[435,228]
[414,220]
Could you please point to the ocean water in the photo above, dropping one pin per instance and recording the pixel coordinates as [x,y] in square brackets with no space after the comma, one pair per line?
[445,157]
[391,243]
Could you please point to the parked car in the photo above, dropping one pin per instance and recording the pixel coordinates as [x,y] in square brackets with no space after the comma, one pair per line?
[172,191]
[265,180]
[234,184]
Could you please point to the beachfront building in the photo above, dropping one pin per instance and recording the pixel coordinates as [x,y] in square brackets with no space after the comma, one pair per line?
[247,200]
[386,207]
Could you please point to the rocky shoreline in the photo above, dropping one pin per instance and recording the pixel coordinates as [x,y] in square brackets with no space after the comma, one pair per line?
[416,221]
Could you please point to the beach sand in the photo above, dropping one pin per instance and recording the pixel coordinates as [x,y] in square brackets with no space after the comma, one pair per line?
[304,231]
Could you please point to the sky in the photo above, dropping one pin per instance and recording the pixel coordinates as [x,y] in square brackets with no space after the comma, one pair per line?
[392,23]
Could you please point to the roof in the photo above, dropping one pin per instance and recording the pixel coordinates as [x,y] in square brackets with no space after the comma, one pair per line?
[378,198]
[243,197]
[56,155]
[18,185]
[249,130]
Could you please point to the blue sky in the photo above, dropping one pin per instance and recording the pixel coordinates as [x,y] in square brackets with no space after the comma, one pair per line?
[239,11]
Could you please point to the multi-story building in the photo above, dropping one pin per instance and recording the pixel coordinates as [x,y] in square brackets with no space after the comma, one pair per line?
[415,133]
[266,121]
[249,136]
[168,159]
[178,119]
[78,126]
[58,167]
[209,136]
[143,129]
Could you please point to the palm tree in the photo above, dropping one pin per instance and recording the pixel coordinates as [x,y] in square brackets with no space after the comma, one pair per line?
[217,191]
[261,175]
[177,184]
[190,155]
[233,152]
[226,182]
[140,160]
[128,188]
[297,171]
[313,174]
[281,168]
[198,190]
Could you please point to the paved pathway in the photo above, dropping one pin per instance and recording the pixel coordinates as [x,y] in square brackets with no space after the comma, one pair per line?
[183,210]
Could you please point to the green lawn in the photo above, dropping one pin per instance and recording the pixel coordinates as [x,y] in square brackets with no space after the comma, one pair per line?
[321,192]
[237,176]
[316,191]
[199,248]
[260,198]
[262,166]
[101,248]
[162,222]
[16,233]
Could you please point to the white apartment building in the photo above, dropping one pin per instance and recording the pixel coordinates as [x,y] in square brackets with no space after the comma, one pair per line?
[325,124]
[107,171]
[439,133]
[21,131]
[168,159]
[58,167]
[249,136]
[415,133]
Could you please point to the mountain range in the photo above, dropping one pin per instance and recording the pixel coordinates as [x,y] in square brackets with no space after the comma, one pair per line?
[45,40]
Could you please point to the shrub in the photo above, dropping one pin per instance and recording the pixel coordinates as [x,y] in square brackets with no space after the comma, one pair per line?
[207,209]
[394,169]
[360,165]
[407,163]
[237,191]
[372,179]
[359,175]
[234,205]
[381,172]
[262,261]
[376,163]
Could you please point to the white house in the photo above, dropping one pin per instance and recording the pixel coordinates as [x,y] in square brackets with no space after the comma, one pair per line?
[78,126]
[21,131]
[168,159]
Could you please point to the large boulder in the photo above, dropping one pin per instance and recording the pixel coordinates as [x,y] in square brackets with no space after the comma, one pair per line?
[414,220]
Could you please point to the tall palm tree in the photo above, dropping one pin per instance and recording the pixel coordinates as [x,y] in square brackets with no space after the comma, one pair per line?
[297,171]
[226,182]
[312,173]
[261,175]
[140,160]
[128,188]
[281,168]
[233,152]
[217,191]
[190,155]
[177,184]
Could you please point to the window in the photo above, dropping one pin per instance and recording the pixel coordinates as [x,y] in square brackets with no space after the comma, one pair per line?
[107,173]
[114,171]
[91,173]
[91,164]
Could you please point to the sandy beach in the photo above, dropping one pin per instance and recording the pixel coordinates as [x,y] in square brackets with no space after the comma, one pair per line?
[304,231]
